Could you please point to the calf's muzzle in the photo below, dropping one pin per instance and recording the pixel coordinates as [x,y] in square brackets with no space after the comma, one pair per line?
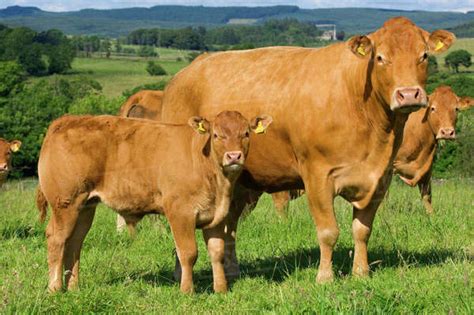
[446,133]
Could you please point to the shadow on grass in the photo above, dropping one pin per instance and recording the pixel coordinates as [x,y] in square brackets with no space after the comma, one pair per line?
[278,268]
[19,231]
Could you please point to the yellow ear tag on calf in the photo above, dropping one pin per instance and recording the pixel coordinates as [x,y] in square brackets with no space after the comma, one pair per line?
[15,147]
[260,128]
[439,45]
[361,50]
[201,128]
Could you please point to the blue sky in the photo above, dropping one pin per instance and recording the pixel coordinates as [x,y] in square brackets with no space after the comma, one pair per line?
[73,5]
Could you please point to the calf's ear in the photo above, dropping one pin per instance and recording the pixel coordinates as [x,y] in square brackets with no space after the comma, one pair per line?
[360,45]
[466,102]
[260,124]
[199,124]
[440,40]
[15,145]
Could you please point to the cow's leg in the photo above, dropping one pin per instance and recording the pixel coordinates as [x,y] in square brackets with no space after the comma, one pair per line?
[60,228]
[280,201]
[215,246]
[320,199]
[74,246]
[362,227]
[425,189]
[183,229]
[121,224]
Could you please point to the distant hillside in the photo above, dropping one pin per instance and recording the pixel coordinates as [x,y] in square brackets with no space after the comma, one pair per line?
[464,30]
[116,22]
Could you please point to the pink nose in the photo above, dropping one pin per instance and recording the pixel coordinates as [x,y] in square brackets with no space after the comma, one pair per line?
[446,133]
[410,96]
[233,156]
[3,167]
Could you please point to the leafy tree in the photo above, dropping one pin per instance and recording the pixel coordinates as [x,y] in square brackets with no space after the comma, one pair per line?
[32,60]
[11,77]
[155,69]
[118,46]
[147,51]
[457,58]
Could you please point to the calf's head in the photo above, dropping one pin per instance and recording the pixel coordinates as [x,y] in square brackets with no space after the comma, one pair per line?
[398,59]
[442,111]
[6,150]
[229,137]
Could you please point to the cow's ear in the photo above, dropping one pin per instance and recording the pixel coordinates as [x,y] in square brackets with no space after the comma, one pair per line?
[466,102]
[360,45]
[260,124]
[199,124]
[440,40]
[15,145]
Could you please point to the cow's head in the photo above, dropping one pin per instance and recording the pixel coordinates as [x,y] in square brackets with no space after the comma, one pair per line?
[6,150]
[442,111]
[398,55]
[229,137]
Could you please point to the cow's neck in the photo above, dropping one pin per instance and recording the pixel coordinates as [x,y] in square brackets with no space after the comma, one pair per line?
[218,184]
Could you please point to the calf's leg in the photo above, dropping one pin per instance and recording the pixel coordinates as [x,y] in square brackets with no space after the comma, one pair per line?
[280,201]
[183,229]
[215,246]
[74,246]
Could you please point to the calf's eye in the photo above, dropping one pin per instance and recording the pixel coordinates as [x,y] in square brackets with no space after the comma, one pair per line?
[433,109]
[379,59]
[247,134]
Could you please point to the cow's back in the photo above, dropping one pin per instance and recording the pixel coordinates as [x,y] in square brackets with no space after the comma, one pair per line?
[149,102]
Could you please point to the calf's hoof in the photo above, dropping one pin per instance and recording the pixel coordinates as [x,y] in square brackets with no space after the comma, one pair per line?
[325,276]
[360,272]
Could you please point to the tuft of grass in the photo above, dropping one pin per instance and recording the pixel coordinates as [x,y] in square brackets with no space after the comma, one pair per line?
[420,263]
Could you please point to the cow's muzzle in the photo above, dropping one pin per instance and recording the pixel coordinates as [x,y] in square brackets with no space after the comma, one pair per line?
[446,134]
[409,99]
[233,160]
[3,168]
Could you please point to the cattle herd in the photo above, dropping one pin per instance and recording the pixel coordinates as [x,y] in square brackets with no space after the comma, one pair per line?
[338,120]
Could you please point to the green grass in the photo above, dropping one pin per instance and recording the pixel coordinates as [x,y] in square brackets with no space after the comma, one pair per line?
[420,263]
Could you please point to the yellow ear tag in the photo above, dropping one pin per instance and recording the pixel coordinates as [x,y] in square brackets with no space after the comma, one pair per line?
[15,147]
[260,128]
[439,45]
[361,50]
[201,128]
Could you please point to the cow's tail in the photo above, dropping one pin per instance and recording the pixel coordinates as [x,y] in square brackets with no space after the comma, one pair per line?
[41,204]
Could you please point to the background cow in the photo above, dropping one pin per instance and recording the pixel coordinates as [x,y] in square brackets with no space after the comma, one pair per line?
[6,150]
[414,161]
[339,115]
[138,167]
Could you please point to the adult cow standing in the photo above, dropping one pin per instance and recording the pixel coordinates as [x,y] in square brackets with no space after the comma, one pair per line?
[339,113]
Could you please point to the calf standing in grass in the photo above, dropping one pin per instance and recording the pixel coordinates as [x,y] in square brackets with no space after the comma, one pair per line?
[138,167]
[6,150]
[423,129]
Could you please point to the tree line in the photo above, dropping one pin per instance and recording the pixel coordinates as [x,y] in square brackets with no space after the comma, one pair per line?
[38,53]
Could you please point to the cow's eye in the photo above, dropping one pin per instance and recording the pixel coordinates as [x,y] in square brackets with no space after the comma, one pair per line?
[215,135]
[457,109]
[379,59]
[424,57]
[247,134]
[433,109]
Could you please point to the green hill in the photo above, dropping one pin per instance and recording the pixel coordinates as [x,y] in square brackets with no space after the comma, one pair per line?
[116,22]
[464,30]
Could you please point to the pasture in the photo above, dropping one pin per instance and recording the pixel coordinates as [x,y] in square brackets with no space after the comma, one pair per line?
[419,263]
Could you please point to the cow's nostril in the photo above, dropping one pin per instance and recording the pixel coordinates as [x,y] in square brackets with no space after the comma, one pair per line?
[417,94]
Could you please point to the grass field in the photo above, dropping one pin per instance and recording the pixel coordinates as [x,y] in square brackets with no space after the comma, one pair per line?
[420,264]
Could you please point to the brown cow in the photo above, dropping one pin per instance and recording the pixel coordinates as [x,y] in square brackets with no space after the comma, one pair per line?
[423,129]
[139,167]
[144,104]
[6,150]
[339,115]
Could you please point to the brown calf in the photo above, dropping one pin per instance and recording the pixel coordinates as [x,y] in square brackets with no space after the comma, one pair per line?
[6,150]
[138,167]
[144,104]
[414,161]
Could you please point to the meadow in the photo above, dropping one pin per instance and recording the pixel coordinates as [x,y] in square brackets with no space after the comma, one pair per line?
[419,263]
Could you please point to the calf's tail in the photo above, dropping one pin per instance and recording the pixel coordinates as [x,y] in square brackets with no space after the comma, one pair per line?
[41,204]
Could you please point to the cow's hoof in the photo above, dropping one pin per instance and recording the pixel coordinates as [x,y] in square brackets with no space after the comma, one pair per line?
[325,277]
[360,272]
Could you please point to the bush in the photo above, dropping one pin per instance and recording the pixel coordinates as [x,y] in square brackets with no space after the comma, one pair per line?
[192,55]
[96,104]
[155,69]
[179,59]
[11,77]
[147,51]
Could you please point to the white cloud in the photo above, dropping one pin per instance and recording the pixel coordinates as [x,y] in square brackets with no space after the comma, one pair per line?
[73,5]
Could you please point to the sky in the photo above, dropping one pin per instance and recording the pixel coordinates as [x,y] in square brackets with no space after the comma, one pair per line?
[74,5]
